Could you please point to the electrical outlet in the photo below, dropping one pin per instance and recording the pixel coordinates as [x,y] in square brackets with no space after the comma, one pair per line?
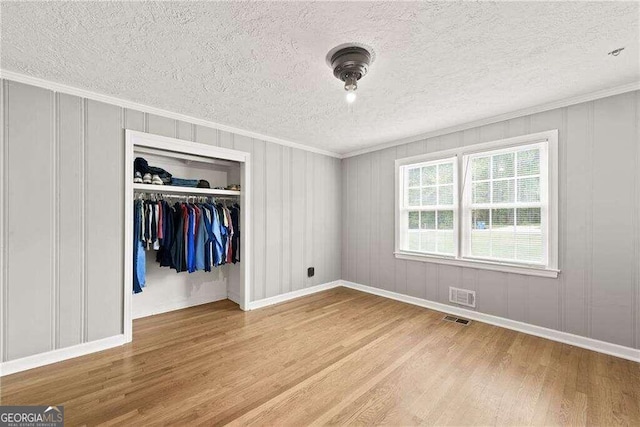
[311,271]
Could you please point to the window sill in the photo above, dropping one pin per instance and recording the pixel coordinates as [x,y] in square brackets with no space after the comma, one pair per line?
[481,265]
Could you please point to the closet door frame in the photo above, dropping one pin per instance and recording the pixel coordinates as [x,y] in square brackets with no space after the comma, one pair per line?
[135,139]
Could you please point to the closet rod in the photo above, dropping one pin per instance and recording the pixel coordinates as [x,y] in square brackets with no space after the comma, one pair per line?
[185,196]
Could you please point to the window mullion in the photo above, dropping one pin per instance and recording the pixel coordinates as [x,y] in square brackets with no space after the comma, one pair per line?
[515,234]
[506,205]
[461,204]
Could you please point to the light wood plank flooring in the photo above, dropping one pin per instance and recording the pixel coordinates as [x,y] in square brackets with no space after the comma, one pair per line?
[337,357]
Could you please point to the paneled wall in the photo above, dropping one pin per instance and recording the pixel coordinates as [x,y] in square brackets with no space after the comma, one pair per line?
[62,215]
[597,294]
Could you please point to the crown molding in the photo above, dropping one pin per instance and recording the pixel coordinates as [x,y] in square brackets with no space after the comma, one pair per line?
[71,90]
[502,117]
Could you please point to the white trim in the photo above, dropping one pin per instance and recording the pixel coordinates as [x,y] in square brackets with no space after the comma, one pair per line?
[71,90]
[134,139]
[548,188]
[530,138]
[223,164]
[127,321]
[579,99]
[479,264]
[616,350]
[180,146]
[246,242]
[54,356]
[293,295]
[403,206]
[4,215]
[539,331]
[178,305]
[170,189]
[550,269]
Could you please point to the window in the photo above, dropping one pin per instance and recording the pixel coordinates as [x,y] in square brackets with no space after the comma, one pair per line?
[429,207]
[504,205]
[501,214]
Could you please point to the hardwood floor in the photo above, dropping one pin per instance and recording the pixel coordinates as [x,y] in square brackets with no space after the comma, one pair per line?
[336,357]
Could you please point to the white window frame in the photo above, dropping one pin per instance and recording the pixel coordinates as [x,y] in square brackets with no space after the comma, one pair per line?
[550,227]
[404,207]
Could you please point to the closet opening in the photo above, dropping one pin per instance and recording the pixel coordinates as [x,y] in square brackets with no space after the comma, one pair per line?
[187,233]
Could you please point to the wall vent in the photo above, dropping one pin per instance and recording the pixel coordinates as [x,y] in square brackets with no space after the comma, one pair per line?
[454,319]
[462,297]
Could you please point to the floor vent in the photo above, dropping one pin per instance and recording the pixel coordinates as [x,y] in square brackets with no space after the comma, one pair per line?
[462,296]
[454,319]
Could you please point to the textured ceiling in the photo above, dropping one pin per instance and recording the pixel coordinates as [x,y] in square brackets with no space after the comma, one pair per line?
[261,67]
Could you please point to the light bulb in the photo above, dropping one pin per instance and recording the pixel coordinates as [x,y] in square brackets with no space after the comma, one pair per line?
[350,85]
[351,96]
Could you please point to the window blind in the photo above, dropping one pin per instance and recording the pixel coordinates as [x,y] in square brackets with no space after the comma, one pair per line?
[505,205]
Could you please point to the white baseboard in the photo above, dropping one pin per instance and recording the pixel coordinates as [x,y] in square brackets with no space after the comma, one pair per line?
[177,305]
[30,362]
[539,331]
[293,295]
[53,356]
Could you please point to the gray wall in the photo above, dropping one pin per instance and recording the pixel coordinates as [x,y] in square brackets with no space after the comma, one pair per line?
[62,226]
[62,215]
[597,294]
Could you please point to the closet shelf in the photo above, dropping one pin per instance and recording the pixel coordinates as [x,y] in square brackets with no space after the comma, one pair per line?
[170,189]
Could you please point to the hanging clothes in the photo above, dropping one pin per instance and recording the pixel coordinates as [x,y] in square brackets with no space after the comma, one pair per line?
[187,236]
[201,233]
[235,242]
[216,226]
[177,248]
[139,261]
[230,231]
[166,230]
[223,234]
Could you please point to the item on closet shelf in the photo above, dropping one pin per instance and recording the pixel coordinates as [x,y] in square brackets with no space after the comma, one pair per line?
[218,188]
[141,165]
[156,180]
[234,187]
[147,178]
[137,179]
[182,182]
[203,184]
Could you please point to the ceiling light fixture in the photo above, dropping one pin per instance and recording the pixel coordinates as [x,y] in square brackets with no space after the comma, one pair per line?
[349,63]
